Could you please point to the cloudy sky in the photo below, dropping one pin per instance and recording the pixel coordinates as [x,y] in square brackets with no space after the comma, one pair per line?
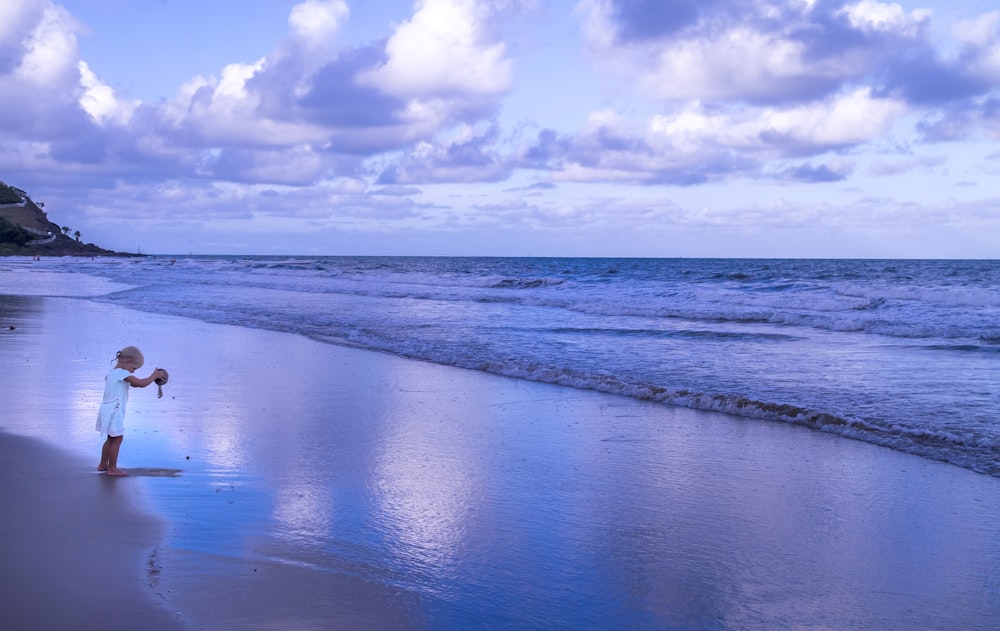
[786,128]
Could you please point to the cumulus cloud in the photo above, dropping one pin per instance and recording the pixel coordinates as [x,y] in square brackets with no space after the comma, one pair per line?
[444,48]
[773,89]
[38,55]
[17,17]
[715,50]
[295,166]
[225,110]
[99,100]
[51,103]
[872,16]
[315,23]
[700,143]
[772,52]
[49,50]
[468,155]
[980,31]
[441,67]
[446,63]
[845,120]
[609,148]
[288,117]
[740,63]
[309,108]
[740,83]
[981,38]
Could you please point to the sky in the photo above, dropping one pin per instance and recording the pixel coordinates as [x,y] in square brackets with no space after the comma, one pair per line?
[651,128]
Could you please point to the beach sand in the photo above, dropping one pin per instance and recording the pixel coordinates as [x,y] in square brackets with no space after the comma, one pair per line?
[75,549]
[313,486]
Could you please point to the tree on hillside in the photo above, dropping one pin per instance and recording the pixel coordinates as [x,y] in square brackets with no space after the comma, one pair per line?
[77,235]
[65,230]
[12,233]
[10,195]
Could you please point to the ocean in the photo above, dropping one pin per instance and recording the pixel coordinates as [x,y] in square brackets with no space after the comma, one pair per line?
[899,353]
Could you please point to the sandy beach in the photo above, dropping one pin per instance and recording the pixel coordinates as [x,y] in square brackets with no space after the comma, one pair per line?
[324,487]
[77,550]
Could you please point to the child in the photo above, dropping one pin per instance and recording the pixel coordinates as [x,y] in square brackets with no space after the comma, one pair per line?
[111,416]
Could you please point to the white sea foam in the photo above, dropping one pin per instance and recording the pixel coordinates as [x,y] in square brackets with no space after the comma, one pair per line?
[25,280]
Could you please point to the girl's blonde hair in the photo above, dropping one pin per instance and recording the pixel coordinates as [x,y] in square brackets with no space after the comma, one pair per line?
[132,353]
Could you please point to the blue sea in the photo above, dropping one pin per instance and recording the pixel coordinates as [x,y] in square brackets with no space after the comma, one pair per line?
[900,353]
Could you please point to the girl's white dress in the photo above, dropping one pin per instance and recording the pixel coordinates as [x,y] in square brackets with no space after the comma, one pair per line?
[111,415]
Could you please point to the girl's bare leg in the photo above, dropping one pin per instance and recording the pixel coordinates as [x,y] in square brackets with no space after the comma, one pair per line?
[113,448]
[104,455]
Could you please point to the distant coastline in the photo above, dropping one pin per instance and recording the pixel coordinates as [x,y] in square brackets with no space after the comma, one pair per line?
[26,230]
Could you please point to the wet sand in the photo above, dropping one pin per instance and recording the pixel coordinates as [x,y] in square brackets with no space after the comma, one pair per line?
[76,551]
[313,486]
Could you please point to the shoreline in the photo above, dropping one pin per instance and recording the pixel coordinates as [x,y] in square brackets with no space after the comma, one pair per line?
[827,378]
[322,485]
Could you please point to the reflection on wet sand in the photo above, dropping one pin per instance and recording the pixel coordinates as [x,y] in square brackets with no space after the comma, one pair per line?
[325,484]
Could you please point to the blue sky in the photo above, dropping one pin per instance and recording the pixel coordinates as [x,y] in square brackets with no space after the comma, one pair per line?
[760,128]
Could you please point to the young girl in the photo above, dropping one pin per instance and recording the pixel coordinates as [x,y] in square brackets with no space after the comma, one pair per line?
[111,416]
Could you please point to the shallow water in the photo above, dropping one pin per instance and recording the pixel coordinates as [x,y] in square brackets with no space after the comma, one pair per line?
[904,354]
[324,484]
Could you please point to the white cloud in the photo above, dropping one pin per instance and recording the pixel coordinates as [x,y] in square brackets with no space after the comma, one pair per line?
[689,129]
[441,67]
[317,22]
[219,107]
[872,16]
[224,110]
[609,148]
[100,101]
[42,88]
[763,52]
[699,143]
[295,166]
[764,56]
[752,93]
[231,87]
[465,154]
[314,26]
[982,35]
[981,31]
[740,62]
[16,16]
[444,49]
[50,50]
[848,119]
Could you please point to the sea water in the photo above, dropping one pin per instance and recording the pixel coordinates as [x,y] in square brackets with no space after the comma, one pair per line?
[900,353]
[382,493]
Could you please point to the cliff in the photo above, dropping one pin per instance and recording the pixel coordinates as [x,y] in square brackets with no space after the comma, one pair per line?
[25,229]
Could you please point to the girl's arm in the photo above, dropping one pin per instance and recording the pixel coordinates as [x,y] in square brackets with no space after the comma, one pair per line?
[137,382]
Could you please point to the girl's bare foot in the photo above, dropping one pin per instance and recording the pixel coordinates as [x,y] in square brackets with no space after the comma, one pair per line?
[116,472]
[102,467]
